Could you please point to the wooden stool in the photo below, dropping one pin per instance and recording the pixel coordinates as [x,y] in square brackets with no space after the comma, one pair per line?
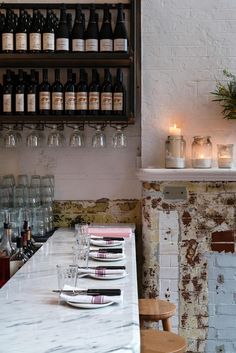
[155,310]
[154,341]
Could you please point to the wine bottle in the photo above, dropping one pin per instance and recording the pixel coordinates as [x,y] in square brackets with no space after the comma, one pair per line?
[78,32]
[82,94]
[120,33]
[18,259]
[28,252]
[92,33]
[119,95]
[30,244]
[8,95]
[35,33]
[8,34]
[32,95]
[45,95]
[106,34]
[20,94]
[49,34]
[69,94]
[21,34]
[69,26]
[62,34]
[107,94]
[57,95]
[2,25]
[94,94]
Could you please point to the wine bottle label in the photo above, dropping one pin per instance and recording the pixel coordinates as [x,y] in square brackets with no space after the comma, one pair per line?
[35,41]
[20,106]
[48,41]
[118,101]
[21,41]
[106,45]
[70,100]
[120,44]
[31,103]
[106,101]
[77,45]
[6,103]
[57,101]
[62,44]
[82,101]
[44,100]
[91,45]
[7,41]
[15,266]
[94,100]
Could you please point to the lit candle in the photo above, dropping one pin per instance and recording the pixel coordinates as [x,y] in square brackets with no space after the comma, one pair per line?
[174,131]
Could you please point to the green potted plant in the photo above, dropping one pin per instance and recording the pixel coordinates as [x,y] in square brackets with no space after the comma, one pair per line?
[226,95]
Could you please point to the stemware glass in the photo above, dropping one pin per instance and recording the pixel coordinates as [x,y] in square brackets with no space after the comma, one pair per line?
[99,138]
[12,138]
[35,138]
[77,138]
[56,138]
[119,139]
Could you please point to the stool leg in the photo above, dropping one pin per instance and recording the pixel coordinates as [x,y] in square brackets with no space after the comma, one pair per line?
[166,323]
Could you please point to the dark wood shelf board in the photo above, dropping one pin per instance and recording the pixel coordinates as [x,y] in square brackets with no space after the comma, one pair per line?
[58,5]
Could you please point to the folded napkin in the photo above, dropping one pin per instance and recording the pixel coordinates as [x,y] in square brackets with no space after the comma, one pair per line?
[105,255]
[104,242]
[102,272]
[125,232]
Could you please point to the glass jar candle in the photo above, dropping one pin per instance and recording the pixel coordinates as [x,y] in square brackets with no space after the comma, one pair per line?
[201,152]
[225,156]
[175,152]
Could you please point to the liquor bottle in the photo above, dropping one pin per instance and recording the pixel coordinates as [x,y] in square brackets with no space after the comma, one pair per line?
[18,259]
[78,32]
[8,34]
[92,33]
[21,34]
[94,94]
[28,252]
[45,95]
[49,34]
[120,33]
[57,95]
[6,251]
[69,94]
[20,94]
[62,34]
[107,94]
[106,34]
[32,95]
[119,95]
[8,94]
[35,33]
[32,248]
[82,94]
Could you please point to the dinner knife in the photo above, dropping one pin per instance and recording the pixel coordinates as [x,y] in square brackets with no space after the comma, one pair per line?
[91,291]
[108,238]
[114,251]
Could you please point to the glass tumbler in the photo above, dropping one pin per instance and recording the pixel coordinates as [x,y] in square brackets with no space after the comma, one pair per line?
[202,152]
[225,156]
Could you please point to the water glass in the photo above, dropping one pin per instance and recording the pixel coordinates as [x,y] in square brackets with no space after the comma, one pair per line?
[22,180]
[67,276]
[81,256]
[35,181]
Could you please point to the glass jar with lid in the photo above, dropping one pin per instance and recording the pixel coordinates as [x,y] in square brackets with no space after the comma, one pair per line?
[202,152]
[175,152]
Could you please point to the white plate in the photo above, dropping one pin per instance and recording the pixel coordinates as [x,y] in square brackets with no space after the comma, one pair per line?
[88,305]
[117,276]
[98,243]
[107,260]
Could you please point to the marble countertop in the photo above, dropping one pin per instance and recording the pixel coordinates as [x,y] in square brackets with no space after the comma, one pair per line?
[32,320]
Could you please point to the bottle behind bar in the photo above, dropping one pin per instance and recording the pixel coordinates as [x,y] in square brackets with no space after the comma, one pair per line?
[35,36]
[94,94]
[82,94]
[18,259]
[62,34]
[57,95]
[69,94]
[120,33]
[92,33]
[6,251]
[8,34]
[119,95]
[78,32]
[107,94]
[32,95]
[8,94]
[20,94]
[21,34]
[45,95]
[2,25]
[69,26]
[106,34]
[49,34]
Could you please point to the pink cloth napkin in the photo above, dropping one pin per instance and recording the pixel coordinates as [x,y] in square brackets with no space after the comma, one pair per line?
[123,232]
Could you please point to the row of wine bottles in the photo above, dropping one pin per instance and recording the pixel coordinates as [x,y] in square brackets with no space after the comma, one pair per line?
[23,94]
[13,258]
[38,34]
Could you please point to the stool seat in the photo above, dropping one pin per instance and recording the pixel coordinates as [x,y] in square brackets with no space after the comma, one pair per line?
[154,341]
[155,310]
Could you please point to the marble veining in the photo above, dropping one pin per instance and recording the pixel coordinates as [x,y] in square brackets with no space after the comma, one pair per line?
[32,320]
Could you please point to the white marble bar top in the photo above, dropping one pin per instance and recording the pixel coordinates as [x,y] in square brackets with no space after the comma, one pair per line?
[33,321]
[188,174]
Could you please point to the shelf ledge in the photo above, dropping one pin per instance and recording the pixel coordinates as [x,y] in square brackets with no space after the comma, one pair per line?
[162,174]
